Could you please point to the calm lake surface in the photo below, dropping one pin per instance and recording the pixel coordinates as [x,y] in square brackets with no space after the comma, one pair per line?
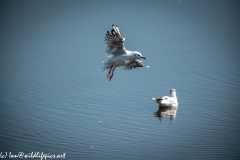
[52,95]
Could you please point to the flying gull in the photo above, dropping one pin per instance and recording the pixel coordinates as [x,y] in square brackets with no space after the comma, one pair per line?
[118,56]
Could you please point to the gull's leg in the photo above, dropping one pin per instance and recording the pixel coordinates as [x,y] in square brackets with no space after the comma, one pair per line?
[109,71]
[112,74]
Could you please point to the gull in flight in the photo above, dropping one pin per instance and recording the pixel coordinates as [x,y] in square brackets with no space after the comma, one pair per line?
[167,101]
[118,56]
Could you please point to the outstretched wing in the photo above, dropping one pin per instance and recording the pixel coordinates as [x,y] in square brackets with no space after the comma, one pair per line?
[133,64]
[114,41]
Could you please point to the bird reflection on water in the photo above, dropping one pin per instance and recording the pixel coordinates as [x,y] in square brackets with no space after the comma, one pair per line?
[163,112]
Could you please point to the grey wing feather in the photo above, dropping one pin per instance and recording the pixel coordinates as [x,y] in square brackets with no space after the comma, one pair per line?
[162,98]
[114,41]
[133,64]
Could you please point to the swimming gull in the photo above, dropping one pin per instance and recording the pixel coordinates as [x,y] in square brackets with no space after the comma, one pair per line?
[118,56]
[167,101]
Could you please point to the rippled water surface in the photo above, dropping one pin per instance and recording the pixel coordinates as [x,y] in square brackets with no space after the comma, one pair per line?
[52,95]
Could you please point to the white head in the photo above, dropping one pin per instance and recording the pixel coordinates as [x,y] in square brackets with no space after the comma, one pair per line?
[173,92]
[137,55]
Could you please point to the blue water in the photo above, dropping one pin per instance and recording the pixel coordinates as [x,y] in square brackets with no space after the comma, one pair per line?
[52,94]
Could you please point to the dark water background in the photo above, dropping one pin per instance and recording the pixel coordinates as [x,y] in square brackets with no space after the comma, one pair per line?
[52,94]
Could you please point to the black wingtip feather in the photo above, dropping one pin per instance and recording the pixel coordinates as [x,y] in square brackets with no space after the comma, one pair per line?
[110,35]
[113,32]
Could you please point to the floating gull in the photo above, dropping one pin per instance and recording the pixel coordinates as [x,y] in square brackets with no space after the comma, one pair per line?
[167,101]
[118,55]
